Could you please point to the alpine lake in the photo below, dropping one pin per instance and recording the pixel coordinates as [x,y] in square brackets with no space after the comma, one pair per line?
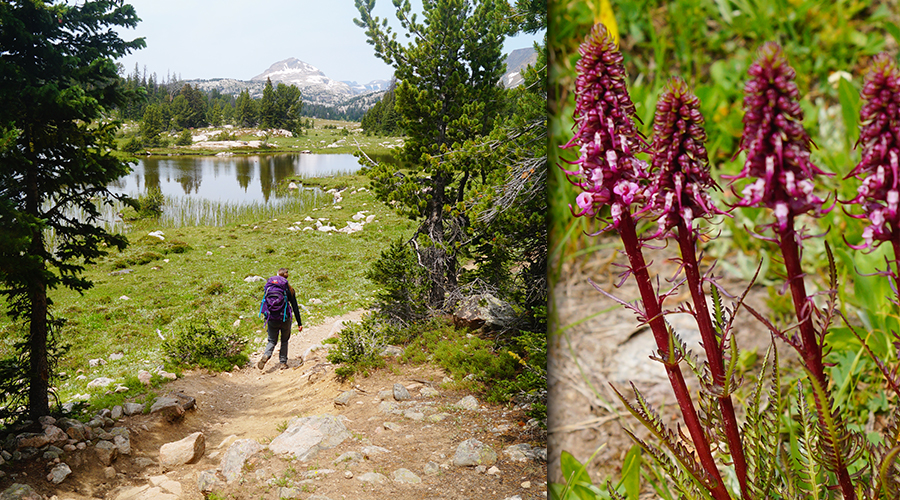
[215,190]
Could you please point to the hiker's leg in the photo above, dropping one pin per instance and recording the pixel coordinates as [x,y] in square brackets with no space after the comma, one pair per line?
[273,330]
[285,337]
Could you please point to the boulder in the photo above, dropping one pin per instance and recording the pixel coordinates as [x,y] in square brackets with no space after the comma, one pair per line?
[236,456]
[306,436]
[184,451]
[20,492]
[106,452]
[484,310]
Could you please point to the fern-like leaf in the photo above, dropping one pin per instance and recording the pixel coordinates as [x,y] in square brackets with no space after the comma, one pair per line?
[648,417]
[761,429]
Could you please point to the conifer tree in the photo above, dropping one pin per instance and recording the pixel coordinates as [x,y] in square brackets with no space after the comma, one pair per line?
[448,94]
[58,82]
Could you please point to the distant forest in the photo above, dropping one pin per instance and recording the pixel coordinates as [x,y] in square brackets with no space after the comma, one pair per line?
[182,106]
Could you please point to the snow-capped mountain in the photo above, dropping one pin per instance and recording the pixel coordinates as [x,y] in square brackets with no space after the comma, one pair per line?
[319,89]
[305,76]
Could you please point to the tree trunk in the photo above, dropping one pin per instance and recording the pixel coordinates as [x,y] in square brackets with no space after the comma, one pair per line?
[39,370]
[439,263]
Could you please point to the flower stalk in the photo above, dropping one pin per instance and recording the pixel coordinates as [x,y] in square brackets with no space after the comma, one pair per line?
[679,196]
[611,176]
[778,159]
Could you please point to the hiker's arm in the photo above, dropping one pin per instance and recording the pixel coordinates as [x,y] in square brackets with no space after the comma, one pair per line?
[292,299]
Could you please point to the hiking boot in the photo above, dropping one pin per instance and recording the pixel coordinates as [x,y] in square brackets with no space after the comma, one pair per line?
[262,362]
[282,366]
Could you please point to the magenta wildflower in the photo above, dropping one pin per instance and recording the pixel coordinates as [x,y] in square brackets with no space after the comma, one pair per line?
[681,182]
[606,134]
[879,194]
[777,145]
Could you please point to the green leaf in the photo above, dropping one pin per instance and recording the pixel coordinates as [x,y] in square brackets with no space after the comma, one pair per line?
[849,99]
[573,470]
[631,473]
[893,30]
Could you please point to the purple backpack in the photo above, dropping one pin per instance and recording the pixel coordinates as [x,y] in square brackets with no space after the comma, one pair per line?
[275,300]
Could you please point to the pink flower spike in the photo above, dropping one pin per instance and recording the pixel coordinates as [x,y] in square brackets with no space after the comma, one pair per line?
[880,140]
[680,180]
[606,136]
[777,146]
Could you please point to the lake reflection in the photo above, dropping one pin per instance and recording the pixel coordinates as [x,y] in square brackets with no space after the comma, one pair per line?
[242,179]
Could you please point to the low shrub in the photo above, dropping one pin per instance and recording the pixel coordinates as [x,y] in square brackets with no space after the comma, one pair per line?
[358,348]
[200,344]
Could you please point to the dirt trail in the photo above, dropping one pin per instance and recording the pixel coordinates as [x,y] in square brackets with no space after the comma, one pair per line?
[249,403]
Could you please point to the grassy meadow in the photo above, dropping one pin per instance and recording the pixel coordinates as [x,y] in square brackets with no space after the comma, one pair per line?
[196,275]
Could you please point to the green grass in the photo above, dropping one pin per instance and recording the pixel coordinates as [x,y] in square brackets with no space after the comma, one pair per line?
[197,274]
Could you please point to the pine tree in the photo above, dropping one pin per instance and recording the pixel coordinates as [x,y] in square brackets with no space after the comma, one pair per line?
[58,82]
[449,94]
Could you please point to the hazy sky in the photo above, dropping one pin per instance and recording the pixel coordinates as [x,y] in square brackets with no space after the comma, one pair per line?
[203,39]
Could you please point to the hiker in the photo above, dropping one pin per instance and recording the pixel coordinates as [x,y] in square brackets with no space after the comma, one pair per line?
[279,298]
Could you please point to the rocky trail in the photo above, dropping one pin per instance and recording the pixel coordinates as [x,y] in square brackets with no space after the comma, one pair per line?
[293,433]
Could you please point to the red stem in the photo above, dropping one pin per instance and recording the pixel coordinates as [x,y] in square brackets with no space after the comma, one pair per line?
[895,243]
[653,310]
[811,350]
[714,354]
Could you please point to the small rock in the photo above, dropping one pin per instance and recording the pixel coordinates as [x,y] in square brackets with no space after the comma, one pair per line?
[429,392]
[480,469]
[344,397]
[235,457]
[431,468]
[373,477]
[59,473]
[526,484]
[106,452]
[348,474]
[109,473]
[400,392]
[116,356]
[252,279]
[350,456]
[468,403]
[144,377]
[369,451]
[493,471]
[414,415]
[116,412]
[207,481]
[474,452]
[20,492]
[385,394]
[405,476]
[133,408]
[100,382]
[288,492]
